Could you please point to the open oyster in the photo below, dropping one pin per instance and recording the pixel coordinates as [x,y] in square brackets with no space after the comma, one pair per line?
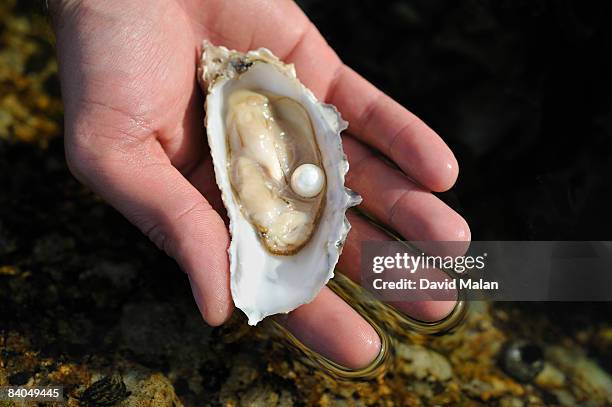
[279,163]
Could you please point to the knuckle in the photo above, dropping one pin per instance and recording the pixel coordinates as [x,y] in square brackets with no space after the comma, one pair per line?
[86,157]
[78,158]
[169,234]
[90,152]
[159,237]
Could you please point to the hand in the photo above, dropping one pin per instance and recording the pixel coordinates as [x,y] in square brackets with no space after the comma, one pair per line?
[134,134]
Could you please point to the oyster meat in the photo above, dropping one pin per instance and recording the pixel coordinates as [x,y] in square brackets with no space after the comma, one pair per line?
[278,161]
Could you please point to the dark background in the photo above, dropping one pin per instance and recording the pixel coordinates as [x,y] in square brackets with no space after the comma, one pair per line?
[520,90]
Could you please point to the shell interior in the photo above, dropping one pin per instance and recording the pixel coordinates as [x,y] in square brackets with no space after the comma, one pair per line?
[264,283]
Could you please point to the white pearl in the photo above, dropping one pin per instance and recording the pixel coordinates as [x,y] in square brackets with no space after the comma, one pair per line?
[307,180]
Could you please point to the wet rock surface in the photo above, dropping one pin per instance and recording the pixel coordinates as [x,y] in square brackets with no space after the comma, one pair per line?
[84,296]
[522,360]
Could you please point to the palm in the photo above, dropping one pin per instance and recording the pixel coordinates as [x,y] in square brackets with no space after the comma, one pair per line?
[134,133]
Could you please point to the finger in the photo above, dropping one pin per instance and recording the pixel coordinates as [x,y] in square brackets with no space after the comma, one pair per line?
[139,180]
[390,196]
[287,32]
[330,327]
[373,117]
[418,304]
[203,179]
[376,119]
[123,143]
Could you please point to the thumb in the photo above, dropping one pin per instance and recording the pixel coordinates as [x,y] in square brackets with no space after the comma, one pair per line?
[139,181]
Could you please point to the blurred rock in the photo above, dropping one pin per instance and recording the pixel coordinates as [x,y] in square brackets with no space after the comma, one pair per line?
[154,390]
[422,363]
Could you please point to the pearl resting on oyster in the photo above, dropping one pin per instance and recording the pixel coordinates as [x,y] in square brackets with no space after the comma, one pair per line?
[269,137]
[278,161]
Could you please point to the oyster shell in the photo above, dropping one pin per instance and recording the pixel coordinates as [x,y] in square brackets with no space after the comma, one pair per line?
[279,163]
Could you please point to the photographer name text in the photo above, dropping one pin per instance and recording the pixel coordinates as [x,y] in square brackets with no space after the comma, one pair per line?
[426,284]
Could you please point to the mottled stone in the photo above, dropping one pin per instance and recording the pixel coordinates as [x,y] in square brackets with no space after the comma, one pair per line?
[151,391]
[590,380]
[522,360]
[550,378]
[422,363]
